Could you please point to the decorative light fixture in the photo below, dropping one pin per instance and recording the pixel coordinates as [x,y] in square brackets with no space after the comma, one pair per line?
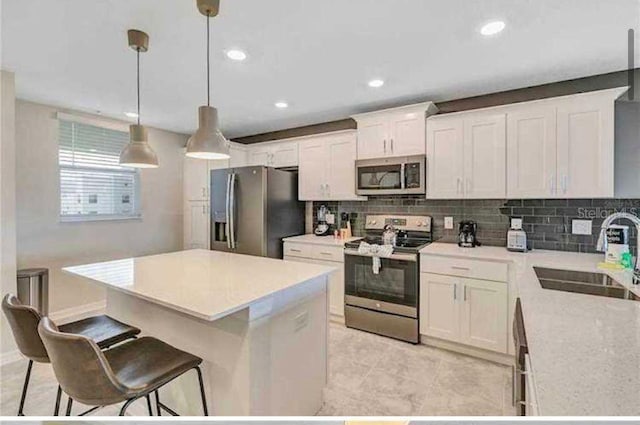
[138,153]
[208,142]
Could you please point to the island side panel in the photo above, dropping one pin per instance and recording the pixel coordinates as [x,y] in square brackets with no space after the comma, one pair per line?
[222,344]
[289,350]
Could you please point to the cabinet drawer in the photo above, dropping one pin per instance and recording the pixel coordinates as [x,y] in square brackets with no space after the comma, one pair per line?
[478,269]
[328,253]
[298,250]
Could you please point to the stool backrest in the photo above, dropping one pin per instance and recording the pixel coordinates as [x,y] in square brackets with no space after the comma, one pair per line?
[24,320]
[81,368]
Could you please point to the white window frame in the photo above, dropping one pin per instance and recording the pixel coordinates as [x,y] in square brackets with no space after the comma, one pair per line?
[79,218]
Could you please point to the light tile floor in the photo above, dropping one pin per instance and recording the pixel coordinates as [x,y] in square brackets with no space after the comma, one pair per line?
[369,375]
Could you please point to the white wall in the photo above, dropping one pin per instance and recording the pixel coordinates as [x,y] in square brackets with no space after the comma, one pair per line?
[43,241]
[7,199]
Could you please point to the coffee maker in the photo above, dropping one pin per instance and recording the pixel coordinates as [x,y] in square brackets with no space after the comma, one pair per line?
[322,226]
[467,237]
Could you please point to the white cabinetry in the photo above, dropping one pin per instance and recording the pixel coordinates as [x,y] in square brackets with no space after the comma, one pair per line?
[562,147]
[393,132]
[274,154]
[466,156]
[326,167]
[467,305]
[531,403]
[196,225]
[327,255]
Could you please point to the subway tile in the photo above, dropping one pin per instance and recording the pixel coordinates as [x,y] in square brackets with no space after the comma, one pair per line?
[544,211]
[532,202]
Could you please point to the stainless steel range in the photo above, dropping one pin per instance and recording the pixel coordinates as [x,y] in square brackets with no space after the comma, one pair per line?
[383,297]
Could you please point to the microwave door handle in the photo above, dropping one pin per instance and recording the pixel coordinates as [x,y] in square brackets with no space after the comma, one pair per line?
[403,176]
[227,223]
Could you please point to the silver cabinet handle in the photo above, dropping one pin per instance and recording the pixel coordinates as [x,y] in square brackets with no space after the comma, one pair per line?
[455,291]
[391,145]
[565,181]
[294,250]
[460,268]
[458,184]
[204,193]
[325,253]
[385,145]
[465,293]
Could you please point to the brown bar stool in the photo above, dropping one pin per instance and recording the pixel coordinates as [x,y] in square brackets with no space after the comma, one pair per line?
[24,320]
[127,372]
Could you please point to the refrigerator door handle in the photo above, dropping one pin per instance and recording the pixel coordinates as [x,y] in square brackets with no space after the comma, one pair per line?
[227,208]
[232,208]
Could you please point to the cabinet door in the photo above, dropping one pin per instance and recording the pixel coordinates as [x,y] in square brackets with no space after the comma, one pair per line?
[196,179]
[373,140]
[284,154]
[407,134]
[585,148]
[238,157]
[341,174]
[259,155]
[485,156]
[531,152]
[484,314]
[336,283]
[445,147]
[196,225]
[312,170]
[439,306]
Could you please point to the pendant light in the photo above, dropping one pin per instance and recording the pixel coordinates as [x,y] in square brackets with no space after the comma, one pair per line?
[208,142]
[138,153]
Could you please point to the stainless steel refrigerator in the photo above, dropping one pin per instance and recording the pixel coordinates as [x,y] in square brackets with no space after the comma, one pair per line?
[253,208]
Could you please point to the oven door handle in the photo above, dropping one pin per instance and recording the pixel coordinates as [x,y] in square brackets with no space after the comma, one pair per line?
[401,257]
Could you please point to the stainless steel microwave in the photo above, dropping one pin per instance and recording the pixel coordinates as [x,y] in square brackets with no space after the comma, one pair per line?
[401,175]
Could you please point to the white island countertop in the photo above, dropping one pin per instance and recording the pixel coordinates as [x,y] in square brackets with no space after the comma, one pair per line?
[584,349]
[205,284]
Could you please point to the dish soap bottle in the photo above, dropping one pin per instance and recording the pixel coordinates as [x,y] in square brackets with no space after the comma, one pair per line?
[626,260]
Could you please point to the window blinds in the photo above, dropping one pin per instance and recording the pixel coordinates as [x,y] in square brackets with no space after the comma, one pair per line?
[93,186]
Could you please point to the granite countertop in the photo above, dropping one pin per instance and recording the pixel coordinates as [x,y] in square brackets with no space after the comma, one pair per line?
[584,349]
[320,240]
[205,284]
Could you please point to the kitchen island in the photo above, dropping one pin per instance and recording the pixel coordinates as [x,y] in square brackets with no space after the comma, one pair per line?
[260,325]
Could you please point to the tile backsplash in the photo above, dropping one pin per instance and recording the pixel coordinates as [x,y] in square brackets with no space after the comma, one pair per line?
[546,221]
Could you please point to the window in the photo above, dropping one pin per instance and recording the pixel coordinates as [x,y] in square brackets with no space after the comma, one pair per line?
[93,186]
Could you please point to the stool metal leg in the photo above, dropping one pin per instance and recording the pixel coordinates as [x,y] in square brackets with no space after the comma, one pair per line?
[126,406]
[24,388]
[149,405]
[202,394]
[158,403]
[58,397]
[69,404]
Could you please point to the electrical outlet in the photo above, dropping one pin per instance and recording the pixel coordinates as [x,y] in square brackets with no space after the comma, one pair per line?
[581,227]
[448,222]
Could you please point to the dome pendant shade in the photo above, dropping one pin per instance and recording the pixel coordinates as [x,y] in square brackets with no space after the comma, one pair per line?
[138,153]
[208,142]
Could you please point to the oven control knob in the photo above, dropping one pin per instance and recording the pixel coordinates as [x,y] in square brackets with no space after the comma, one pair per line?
[378,305]
[419,224]
[372,222]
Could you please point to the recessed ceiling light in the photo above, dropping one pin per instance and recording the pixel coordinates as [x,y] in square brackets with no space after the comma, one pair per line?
[131,114]
[492,28]
[281,105]
[236,55]
[376,83]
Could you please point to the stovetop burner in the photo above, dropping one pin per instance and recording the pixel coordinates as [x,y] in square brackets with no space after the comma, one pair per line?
[415,243]
[414,232]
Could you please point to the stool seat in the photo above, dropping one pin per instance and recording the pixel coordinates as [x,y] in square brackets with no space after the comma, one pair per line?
[145,364]
[104,330]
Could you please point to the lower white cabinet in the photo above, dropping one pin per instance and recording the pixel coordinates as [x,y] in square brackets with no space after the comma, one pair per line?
[196,225]
[464,310]
[318,254]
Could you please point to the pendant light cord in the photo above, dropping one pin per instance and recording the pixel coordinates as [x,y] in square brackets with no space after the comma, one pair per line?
[138,80]
[208,66]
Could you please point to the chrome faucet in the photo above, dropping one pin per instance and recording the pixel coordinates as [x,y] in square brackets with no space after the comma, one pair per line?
[602,239]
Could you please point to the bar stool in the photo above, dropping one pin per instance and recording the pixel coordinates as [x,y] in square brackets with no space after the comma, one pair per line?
[124,373]
[24,320]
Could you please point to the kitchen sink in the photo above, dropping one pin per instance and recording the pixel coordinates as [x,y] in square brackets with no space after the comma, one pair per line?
[583,283]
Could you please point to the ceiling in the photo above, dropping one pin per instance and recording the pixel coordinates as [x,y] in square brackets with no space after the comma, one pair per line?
[317,55]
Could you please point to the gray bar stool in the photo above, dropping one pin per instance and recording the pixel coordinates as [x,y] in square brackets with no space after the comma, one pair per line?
[124,373]
[24,320]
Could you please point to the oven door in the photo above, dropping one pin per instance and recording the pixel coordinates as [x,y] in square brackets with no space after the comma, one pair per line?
[394,289]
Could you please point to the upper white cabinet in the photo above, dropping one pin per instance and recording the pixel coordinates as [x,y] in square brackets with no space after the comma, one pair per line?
[466,156]
[393,132]
[326,167]
[274,154]
[563,147]
[531,152]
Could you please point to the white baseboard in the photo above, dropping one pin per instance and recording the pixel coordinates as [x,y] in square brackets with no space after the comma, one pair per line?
[79,312]
[505,359]
[60,316]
